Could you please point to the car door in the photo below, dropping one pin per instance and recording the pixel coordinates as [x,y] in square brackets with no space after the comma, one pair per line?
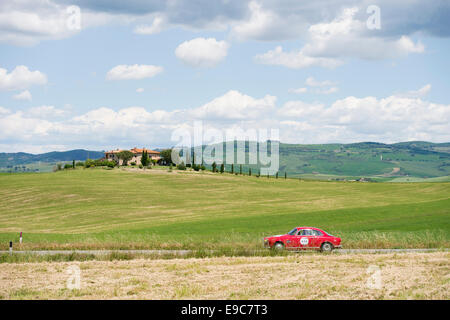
[306,239]
[290,241]
[317,239]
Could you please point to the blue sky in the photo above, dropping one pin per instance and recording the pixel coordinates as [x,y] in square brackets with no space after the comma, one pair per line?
[315,72]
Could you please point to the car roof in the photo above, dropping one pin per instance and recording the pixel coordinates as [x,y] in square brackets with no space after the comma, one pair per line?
[314,228]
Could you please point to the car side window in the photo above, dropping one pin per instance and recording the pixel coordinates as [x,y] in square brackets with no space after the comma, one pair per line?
[305,232]
[317,233]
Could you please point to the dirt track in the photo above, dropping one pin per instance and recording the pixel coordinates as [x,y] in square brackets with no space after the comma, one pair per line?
[185,252]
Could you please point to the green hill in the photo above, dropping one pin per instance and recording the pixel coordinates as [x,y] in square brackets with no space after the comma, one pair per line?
[410,161]
[132,208]
[371,160]
[45,161]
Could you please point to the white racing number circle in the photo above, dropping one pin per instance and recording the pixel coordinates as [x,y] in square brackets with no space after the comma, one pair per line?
[304,241]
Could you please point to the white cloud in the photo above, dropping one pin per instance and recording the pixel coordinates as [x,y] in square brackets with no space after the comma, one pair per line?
[133,72]
[343,37]
[140,90]
[418,93]
[310,81]
[346,36]
[201,52]
[295,59]
[235,105]
[263,24]
[24,95]
[20,78]
[391,119]
[157,26]
[299,90]
[351,119]
[327,90]
[317,87]
[4,111]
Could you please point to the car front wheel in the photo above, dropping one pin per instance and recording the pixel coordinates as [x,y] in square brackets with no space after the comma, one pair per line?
[326,247]
[278,246]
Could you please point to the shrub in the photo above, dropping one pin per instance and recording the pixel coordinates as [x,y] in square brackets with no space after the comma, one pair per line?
[89,163]
[79,164]
[133,163]
[203,167]
[181,166]
[68,166]
[141,166]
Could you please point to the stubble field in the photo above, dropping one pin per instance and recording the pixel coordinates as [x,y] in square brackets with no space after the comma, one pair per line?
[301,276]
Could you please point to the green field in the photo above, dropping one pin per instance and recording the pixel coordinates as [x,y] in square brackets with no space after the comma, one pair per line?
[121,208]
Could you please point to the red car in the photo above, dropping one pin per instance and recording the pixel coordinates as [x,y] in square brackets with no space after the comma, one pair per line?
[302,238]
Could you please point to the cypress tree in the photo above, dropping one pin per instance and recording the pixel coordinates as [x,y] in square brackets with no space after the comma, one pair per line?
[221,168]
[240,169]
[276,176]
[73,164]
[285,175]
[232,168]
[250,172]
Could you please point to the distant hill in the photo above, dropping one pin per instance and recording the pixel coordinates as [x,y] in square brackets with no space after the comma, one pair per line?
[367,159]
[404,161]
[21,158]
[376,161]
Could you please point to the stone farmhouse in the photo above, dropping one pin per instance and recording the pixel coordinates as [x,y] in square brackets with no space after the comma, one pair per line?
[113,155]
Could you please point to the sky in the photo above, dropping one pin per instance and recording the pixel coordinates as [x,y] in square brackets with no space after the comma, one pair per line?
[113,74]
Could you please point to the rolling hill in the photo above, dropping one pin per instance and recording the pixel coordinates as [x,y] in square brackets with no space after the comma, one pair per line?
[402,162]
[44,161]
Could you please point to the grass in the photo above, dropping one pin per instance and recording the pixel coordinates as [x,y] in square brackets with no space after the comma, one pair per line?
[155,209]
[310,276]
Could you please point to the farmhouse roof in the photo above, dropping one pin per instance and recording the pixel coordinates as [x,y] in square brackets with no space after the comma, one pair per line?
[135,151]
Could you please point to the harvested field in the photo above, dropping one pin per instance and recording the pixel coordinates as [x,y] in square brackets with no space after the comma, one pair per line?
[302,276]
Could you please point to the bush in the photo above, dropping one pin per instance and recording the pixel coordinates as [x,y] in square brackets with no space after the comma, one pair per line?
[99,163]
[133,163]
[203,167]
[89,163]
[181,166]
[79,164]
[68,166]
[141,166]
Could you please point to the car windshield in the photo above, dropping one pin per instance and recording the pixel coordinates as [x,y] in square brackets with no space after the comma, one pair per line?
[292,232]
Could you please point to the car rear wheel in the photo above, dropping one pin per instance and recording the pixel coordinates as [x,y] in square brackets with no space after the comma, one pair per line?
[279,246]
[326,247]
